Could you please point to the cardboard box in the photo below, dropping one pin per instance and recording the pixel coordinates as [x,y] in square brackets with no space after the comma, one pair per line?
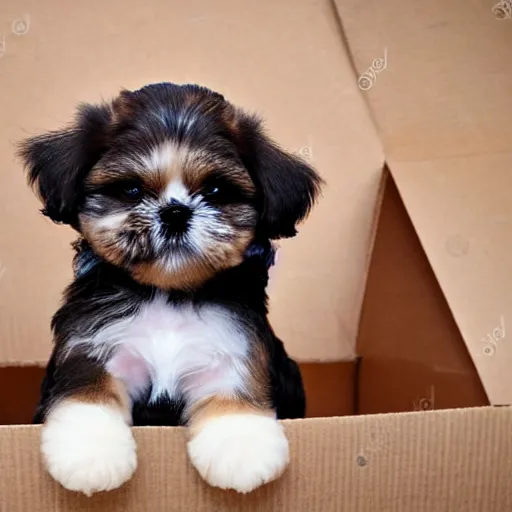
[395,297]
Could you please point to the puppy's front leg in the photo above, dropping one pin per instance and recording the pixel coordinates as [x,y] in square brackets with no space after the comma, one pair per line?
[235,444]
[86,440]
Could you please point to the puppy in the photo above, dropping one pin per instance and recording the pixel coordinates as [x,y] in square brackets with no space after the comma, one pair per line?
[177,196]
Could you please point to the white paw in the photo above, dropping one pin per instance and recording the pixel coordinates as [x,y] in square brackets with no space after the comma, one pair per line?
[87,447]
[240,451]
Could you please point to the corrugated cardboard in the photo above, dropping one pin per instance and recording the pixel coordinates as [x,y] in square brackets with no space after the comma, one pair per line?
[435,461]
[395,297]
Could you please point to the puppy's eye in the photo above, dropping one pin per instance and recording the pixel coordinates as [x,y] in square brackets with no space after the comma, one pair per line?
[132,192]
[129,191]
[211,190]
[220,190]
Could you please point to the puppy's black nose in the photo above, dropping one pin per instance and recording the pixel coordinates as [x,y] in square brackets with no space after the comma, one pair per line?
[175,217]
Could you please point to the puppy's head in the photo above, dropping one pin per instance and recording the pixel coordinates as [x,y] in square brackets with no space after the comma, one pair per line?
[171,183]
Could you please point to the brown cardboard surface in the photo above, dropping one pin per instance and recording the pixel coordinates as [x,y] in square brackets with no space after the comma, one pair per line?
[445,89]
[425,461]
[436,77]
[294,72]
[462,211]
[19,394]
[398,385]
[412,352]
[330,390]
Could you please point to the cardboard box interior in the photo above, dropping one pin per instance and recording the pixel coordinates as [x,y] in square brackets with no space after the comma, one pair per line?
[395,297]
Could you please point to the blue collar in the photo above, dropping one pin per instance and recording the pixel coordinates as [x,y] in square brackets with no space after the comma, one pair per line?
[85,259]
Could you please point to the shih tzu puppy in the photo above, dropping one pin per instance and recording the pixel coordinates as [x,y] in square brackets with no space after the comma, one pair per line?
[177,197]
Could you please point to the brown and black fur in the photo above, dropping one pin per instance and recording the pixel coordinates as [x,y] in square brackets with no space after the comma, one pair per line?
[87,172]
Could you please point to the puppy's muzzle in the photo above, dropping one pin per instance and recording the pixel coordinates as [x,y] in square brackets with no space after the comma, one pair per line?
[175,218]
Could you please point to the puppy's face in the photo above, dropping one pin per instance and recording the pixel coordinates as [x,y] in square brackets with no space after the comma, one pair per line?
[171,183]
[171,200]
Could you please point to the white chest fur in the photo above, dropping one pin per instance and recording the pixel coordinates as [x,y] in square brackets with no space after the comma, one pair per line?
[181,350]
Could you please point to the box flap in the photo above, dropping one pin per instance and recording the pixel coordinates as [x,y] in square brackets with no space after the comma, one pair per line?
[436,77]
[438,460]
[435,73]
[413,355]
[462,211]
[288,63]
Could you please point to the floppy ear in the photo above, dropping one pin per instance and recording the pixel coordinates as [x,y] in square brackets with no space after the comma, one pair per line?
[57,162]
[287,186]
